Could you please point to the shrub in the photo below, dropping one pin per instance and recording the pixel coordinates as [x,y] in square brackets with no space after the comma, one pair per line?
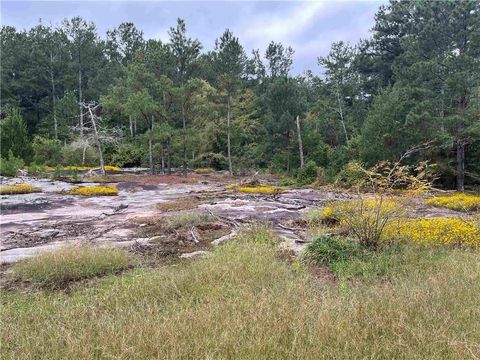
[18,189]
[307,174]
[287,182]
[128,155]
[70,263]
[460,202]
[204,171]
[35,169]
[434,231]
[94,191]
[73,154]
[47,151]
[366,219]
[14,136]
[10,166]
[330,250]
[352,175]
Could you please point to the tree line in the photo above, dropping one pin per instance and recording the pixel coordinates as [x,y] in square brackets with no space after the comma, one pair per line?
[171,104]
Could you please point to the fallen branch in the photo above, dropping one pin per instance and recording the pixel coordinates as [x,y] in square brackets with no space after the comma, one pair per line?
[225,238]
[224,218]
[195,239]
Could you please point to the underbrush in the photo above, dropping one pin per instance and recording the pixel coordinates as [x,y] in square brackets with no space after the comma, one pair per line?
[204,171]
[94,191]
[459,202]
[243,302]
[70,263]
[267,190]
[18,189]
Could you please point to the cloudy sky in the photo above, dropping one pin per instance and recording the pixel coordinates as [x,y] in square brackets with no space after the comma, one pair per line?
[309,27]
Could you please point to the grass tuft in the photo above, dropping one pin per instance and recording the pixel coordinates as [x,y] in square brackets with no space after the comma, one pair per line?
[267,190]
[70,263]
[204,171]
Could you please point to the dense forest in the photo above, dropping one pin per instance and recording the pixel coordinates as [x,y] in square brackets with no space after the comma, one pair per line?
[67,90]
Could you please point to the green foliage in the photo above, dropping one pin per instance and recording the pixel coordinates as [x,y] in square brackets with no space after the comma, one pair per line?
[47,151]
[128,155]
[331,250]
[352,175]
[14,136]
[307,174]
[10,165]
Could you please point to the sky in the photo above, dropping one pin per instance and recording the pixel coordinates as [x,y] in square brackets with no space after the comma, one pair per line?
[309,27]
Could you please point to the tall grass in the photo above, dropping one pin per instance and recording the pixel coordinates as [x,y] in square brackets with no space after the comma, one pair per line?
[244,303]
[70,263]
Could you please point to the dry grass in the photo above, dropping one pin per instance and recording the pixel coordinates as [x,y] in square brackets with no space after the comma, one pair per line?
[70,263]
[94,191]
[18,189]
[179,204]
[243,302]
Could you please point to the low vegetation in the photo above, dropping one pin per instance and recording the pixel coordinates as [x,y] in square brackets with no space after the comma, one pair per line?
[70,263]
[459,202]
[267,190]
[435,232]
[86,168]
[18,189]
[94,191]
[243,301]
[186,218]
[204,171]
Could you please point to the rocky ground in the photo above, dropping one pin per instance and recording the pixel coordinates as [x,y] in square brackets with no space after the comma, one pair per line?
[37,222]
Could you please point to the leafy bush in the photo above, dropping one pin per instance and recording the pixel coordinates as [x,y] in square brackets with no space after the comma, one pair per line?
[352,175]
[70,263]
[94,191]
[35,169]
[212,160]
[307,174]
[72,154]
[367,218]
[14,136]
[47,151]
[460,202]
[10,166]
[18,189]
[128,155]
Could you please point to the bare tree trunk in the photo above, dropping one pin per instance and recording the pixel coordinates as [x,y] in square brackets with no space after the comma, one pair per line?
[84,152]
[288,151]
[130,125]
[460,165]
[300,144]
[229,145]
[184,141]
[342,120]
[169,158]
[97,140]
[54,105]
[134,127]
[80,96]
[150,156]
[163,158]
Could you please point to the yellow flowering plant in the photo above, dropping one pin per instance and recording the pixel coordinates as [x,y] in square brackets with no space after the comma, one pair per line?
[267,190]
[94,191]
[18,189]
[460,202]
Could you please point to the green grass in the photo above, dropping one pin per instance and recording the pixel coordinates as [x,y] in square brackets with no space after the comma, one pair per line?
[243,302]
[70,263]
[186,218]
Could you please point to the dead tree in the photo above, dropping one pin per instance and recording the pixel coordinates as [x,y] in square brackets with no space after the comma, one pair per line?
[300,144]
[99,134]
